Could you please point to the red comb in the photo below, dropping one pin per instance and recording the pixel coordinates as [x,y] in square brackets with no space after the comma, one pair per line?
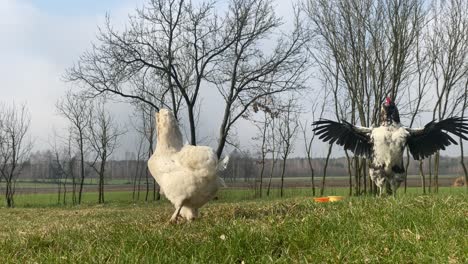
[388,101]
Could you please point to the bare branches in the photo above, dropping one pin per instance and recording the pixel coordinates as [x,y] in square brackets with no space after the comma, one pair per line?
[448,47]
[247,73]
[75,108]
[173,42]
[15,146]
[370,42]
[288,128]
[103,134]
[305,128]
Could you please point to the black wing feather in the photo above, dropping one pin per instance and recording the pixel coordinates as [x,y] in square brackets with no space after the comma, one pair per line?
[432,138]
[344,134]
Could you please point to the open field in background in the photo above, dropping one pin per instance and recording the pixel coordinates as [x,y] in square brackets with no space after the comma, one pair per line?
[46,186]
[410,229]
[226,195]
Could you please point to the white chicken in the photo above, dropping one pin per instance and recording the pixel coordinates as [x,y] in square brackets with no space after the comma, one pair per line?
[187,175]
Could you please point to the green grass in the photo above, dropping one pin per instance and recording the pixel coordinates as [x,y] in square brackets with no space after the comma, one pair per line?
[225,196]
[409,229]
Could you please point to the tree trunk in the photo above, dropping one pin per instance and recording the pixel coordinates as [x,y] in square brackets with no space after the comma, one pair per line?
[430,174]
[423,179]
[356,176]
[436,172]
[137,172]
[222,130]
[273,162]
[269,183]
[364,174]
[59,191]
[350,173]
[193,136]
[8,193]
[139,186]
[462,162]
[322,189]
[82,168]
[282,177]
[462,155]
[312,174]
[65,189]
[74,190]
[101,180]
[261,177]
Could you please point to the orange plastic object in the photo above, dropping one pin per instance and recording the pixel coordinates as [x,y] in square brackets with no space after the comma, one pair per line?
[335,198]
[321,199]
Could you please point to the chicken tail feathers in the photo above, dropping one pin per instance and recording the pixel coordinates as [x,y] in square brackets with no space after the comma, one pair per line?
[222,165]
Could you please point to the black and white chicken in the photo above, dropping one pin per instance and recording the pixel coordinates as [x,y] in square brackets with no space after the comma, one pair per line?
[384,145]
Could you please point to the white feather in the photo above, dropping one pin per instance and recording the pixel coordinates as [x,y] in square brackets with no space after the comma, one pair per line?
[186,174]
[389,143]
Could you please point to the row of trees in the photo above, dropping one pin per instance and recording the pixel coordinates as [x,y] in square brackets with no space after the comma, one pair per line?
[91,139]
[172,51]
[360,51]
[15,146]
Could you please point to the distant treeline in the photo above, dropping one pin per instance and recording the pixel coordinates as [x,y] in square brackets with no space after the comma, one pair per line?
[43,166]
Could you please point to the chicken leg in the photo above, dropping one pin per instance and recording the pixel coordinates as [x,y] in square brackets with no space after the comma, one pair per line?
[176,214]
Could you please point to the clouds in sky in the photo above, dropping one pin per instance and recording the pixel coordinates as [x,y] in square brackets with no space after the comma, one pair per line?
[40,39]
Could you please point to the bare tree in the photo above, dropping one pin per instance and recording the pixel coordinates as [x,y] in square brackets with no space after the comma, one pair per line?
[308,141]
[365,47]
[245,73]
[58,162]
[15,146]
[265,127]
[262,127]
[288,127]
[273,145]
[70,164]
[140,156]
[64,157]
[325,167]
[448,45]
[103,133]
[173,40]
[462,156]
[415,102]
[147,130]
[75,108]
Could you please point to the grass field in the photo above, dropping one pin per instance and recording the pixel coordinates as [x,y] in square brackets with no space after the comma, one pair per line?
[409,229]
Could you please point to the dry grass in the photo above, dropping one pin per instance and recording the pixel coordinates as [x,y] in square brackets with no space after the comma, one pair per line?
[459,182]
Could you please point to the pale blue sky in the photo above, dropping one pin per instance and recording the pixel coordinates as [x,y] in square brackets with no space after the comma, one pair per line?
[39,40]
[76,7]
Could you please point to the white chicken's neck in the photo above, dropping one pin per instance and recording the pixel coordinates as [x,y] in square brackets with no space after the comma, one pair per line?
[162,148]
[169,142]
[392,124]
[169,137]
